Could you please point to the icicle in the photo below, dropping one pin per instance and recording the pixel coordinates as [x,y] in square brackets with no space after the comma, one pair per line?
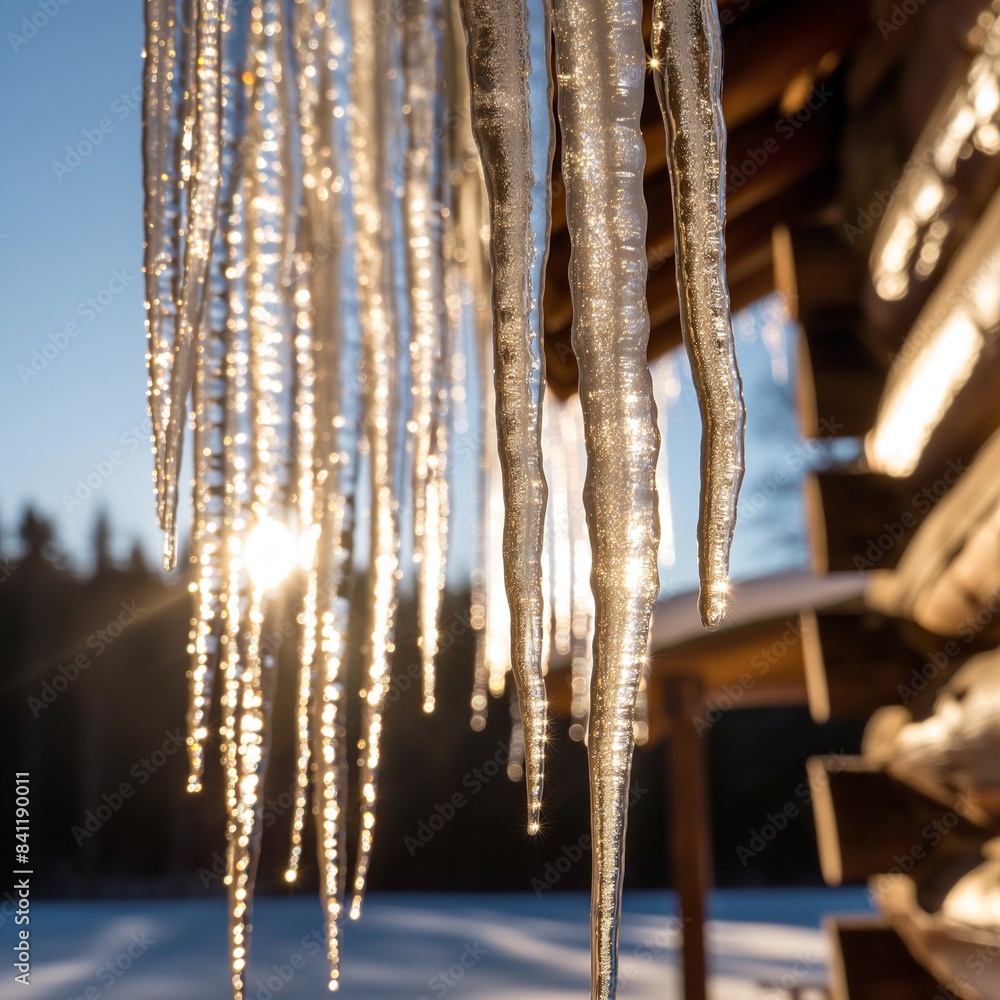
[319,243]
[496,639]
[204,183]
[329,749]
[516,748]
[640,725]
[487,576]
[422,51]
[601,64]
[160,191]
[370,137]
[474,237]
[236,440]
[254,729]
[559,530]
[512,122]
[265,249]
[582,620]
[205,543]
[211,427]
[319,45]
[666,390]
[687,71]
[434,553]
[305,494]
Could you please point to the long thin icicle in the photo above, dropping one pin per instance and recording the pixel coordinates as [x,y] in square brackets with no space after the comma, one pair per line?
[582,624]
[158,107]
[687,71]
[512,123]
[305,495]
[601,63]
[317,251]
[204,185]
[211,405]
[264,186]
[422,57]
[370,120]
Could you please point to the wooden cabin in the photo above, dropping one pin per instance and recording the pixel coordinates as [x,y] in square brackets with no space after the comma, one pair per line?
[863,173]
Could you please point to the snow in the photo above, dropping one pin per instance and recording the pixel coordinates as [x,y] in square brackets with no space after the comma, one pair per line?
[421,947]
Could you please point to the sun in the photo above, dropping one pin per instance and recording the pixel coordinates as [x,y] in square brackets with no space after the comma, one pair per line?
[270,552]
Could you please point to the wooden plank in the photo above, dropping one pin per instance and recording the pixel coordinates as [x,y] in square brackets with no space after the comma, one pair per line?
[856,664]
[854,845]
[868,961]
[788,165]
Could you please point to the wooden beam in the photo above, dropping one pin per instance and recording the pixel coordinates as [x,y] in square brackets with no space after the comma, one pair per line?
[855,665]
[868,961]
[762,55]
[691,829]
[910,826]
[762,171]
[749,251]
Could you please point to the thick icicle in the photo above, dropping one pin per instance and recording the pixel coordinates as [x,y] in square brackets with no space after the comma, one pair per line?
[373,258]
[204,183]
[512,121]
[687,71]
[601,66]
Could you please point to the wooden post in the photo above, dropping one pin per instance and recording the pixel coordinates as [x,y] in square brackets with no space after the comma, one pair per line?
[691,828]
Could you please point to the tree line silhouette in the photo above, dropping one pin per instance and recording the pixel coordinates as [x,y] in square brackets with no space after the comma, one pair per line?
[92,670]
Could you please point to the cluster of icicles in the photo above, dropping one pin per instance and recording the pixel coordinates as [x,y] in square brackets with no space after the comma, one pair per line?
[318,237]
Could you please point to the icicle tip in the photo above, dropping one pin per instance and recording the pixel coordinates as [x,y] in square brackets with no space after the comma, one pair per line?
[713,604]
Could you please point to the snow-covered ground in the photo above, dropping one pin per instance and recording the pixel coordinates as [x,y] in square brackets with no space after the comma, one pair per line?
[409,947]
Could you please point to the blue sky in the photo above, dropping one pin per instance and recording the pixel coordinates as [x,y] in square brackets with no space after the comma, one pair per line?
[70,253]
[72,341]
